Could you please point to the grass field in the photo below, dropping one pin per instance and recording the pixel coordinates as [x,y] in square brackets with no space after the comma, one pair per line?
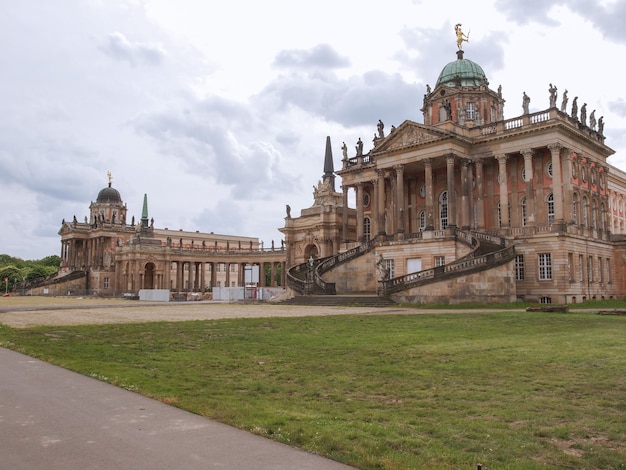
[509,390]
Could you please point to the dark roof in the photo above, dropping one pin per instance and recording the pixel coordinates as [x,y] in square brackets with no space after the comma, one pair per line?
[109,195]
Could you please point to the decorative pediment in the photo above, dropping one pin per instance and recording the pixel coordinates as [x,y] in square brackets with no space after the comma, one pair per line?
[409,134]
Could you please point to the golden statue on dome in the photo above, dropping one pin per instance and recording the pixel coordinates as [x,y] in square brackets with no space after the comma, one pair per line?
[460,36]
[110,177]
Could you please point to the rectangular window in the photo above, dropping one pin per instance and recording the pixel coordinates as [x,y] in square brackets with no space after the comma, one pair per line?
[570,266]
[233,267]
[218,267]
[440,261]
[545,266]
[106,282]
[581,275]
[546,300]
[389,266]
[608,270]
[590,269]
[600,270]
[519,267]
[471,111]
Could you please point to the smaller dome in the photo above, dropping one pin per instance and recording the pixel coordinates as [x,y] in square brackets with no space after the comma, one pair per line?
[462,72]
[109,195]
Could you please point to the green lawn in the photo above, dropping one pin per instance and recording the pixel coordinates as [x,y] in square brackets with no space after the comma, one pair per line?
[508,390]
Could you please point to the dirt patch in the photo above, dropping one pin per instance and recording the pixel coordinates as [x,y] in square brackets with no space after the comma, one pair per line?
[76,311]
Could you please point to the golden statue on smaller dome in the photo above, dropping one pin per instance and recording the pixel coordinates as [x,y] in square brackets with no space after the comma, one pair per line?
[460,36]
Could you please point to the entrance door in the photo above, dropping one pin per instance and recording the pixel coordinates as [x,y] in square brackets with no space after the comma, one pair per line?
[149,276]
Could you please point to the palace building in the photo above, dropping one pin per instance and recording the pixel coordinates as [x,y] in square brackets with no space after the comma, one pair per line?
[108,256]
[465,206]
[469,206]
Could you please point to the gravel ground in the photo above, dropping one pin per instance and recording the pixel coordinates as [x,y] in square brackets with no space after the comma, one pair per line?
[24,312]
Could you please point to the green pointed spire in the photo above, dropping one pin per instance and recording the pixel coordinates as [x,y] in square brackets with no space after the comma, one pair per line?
[144,212]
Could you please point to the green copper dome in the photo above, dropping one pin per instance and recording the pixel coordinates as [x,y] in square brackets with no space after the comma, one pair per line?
[462,72]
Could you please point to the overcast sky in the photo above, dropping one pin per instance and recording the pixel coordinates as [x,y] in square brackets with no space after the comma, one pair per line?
[219,111]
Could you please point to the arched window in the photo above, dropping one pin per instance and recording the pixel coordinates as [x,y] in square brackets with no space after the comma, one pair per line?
[550,208]
[367,229]
[594,215]
[602,217]
[523,207]
[575,209]
[500,214]
[443,210]
[585,212]
[422,220]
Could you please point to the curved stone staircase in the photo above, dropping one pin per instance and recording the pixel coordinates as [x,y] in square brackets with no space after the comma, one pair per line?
[488,251]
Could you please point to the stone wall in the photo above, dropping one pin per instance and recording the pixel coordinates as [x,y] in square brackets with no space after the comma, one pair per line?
[496,285]
[71,285]
[357,275]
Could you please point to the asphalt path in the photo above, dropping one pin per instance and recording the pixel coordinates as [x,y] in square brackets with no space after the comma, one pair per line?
[52,418]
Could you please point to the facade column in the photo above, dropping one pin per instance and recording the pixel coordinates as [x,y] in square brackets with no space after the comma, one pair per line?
[167,273]
[180,276]
[557,190]
[213,275]
[380,202]
[451,191]
[400,210]
[202,276]
[504,191]
[465,199]
[227,269]
[430,200]
[359,213]
[530,192]
[480,212]
[344,225]
[566,177]
[192,276]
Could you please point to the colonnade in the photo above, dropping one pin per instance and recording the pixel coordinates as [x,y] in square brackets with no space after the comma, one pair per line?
[87,252]
[466,189]
[192,276]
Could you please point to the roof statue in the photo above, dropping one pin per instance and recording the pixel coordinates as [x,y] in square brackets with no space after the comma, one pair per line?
[460,36]
[110,178]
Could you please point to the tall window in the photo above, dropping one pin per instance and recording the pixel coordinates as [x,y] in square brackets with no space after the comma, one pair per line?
[545,266]
[523,207]
[550,209]
[590,269]
[519,267]
[440,261]
[389,265]
[500,214]
[600,270]
[602,217]
[106,282]
[422,220]
[594,215]
[471,111]
[575,209]
[581,275]
[570,266]
[585,212]
[367,229]
[443,210]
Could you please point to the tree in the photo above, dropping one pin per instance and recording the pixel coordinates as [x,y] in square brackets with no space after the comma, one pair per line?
[12,274]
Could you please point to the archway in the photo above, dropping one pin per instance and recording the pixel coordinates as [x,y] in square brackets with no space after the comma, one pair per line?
[311,251]
[148,280]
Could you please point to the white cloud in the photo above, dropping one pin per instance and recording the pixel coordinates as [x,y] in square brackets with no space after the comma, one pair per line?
[220,115]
